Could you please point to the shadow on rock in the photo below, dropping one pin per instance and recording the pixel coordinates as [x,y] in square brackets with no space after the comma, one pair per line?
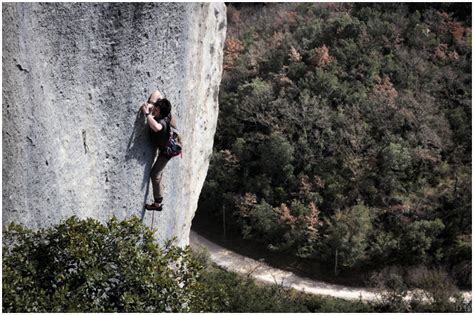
[141,148]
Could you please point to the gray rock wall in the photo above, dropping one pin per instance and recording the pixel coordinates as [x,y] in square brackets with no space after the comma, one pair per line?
[74,76]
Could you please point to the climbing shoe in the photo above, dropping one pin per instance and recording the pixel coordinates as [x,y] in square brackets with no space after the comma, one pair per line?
[154,207]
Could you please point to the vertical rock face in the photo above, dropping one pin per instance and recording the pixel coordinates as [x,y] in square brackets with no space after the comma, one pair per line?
[74,76]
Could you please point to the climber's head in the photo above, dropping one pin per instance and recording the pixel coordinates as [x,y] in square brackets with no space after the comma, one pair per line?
[163,106]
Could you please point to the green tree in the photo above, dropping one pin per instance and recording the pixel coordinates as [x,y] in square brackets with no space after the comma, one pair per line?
[276,157]
[347,236]
[418,239]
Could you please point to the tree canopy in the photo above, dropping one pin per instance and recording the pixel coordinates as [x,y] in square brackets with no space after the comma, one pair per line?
[327,109]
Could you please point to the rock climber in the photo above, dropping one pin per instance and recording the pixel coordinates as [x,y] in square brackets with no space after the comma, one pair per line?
[158,117]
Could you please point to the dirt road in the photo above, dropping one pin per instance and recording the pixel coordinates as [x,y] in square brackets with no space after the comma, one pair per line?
[262,272]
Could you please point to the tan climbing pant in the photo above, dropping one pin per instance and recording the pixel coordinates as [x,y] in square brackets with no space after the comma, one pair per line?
[156,175]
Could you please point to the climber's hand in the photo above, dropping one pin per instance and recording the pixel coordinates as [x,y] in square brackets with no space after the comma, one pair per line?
[146,108]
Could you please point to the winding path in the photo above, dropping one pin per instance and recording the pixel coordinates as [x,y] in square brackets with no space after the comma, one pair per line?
[262,272]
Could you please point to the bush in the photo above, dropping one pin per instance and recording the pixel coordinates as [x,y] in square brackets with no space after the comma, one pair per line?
[391,290]
[437,285]
[417,289]
[462,262]
[85,266]
[230,292]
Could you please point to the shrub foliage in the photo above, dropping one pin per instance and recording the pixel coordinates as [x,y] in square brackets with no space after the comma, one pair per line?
[84,266]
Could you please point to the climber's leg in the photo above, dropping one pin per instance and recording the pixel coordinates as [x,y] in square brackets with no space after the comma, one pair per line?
[156,176]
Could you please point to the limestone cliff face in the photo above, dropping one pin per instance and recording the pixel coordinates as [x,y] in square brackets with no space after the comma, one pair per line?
[74,76]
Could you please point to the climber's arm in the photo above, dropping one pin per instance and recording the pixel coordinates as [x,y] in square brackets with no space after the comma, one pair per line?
[154,125]
[147,109]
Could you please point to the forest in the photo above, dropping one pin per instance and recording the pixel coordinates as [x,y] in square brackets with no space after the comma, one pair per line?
[344,135]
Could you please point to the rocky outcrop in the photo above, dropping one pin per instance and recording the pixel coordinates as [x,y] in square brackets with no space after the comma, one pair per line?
[74,76]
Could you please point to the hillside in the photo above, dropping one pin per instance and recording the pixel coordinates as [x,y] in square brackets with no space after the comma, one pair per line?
[344,135]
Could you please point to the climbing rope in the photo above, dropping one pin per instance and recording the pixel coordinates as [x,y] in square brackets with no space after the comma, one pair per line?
[152,219]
